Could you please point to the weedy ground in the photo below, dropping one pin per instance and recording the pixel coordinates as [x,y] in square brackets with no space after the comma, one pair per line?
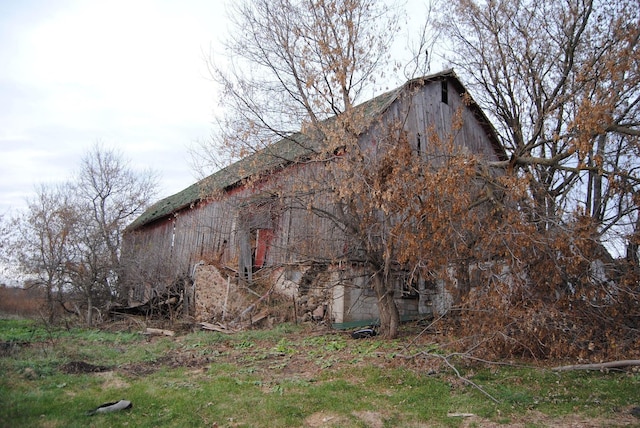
[289,376]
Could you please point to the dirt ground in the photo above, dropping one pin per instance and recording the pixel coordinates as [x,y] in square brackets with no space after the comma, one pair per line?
[376,420]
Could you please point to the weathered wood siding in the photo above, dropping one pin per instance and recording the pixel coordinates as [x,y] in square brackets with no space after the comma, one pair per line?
[219,229]
[225,230]
[423,110]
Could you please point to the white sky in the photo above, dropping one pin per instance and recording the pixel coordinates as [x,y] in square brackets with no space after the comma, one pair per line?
[130,74]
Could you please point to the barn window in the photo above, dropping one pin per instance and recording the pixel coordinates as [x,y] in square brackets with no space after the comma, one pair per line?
[445,91]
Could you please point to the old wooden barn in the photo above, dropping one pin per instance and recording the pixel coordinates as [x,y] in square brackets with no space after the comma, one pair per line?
[230,230]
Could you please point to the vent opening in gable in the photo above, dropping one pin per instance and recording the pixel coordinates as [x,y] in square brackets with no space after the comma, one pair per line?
[445,91]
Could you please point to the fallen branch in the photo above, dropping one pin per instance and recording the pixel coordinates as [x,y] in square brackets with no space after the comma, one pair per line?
[598,366]
[462,378]
[424,330]
[158,332]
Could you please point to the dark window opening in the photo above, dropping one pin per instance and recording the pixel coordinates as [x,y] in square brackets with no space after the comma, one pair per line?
[445,91]
[406,285]
[419,143]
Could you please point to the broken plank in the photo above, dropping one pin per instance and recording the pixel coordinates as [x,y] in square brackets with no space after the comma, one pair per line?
[213,327]
[262,315]
[158,332]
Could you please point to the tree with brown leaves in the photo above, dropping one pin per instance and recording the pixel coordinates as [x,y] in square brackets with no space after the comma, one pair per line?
[295,64]
[561,81]
[517,235]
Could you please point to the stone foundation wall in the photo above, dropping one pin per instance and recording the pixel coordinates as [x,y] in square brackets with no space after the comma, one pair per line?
[211,292]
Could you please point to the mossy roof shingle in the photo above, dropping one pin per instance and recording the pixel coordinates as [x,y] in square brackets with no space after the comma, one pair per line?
[273,157]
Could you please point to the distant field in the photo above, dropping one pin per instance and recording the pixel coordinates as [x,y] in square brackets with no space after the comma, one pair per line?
[291,376]
[21,302]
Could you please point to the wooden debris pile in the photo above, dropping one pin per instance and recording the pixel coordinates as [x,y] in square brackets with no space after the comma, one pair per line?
[167,304]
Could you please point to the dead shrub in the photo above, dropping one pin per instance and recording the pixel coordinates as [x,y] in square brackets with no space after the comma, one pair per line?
[586,324]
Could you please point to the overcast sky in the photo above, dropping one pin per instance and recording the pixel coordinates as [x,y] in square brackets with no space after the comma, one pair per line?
[128,73]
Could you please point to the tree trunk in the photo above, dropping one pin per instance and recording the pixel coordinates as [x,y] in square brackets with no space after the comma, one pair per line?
[597,209]
[89,311]
[50,303]
[633,246]
[389,315]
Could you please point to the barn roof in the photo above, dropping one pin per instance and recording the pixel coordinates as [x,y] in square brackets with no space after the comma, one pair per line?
[282,153]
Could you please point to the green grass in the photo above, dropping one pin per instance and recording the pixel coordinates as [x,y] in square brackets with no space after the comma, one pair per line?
[283,377]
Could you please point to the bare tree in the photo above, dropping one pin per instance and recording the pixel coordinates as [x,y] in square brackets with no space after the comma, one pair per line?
[43,242]
[110,195]
[561,80]
[70,235]
[6,257]
[296,62]
[113,195]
